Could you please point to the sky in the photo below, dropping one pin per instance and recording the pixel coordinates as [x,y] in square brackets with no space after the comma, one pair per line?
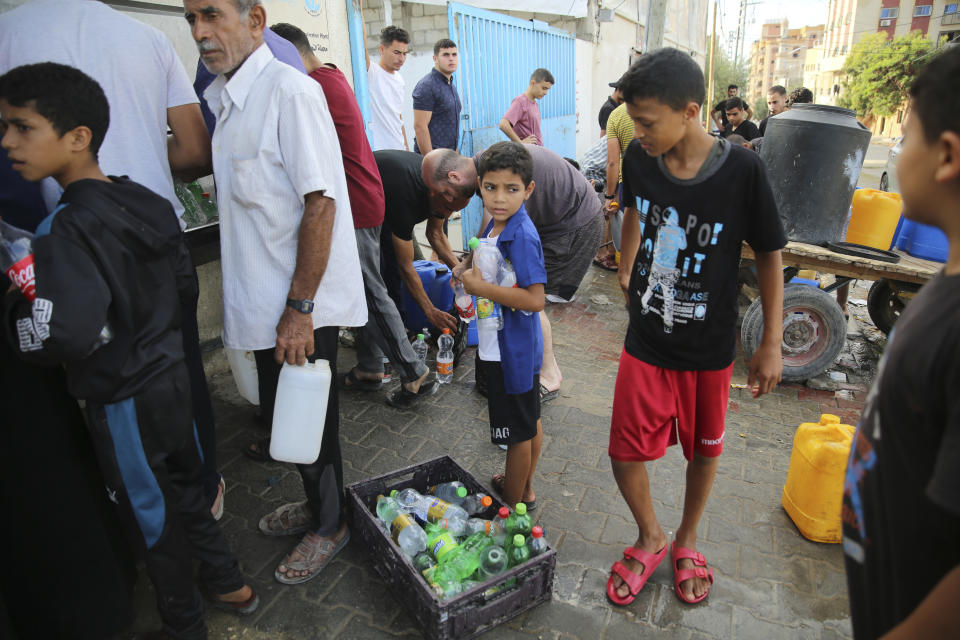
[797,12]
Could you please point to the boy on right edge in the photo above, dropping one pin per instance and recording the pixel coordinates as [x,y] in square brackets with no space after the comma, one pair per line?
[901,497]
[691,200]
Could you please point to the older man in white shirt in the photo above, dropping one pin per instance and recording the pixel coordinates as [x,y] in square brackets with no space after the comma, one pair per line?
[291,273]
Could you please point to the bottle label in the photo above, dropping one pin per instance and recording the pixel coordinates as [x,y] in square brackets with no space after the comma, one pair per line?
[485,308]
[465,307]
[436,510]
[444,368]
[443,545]
[399,523]
[21,274]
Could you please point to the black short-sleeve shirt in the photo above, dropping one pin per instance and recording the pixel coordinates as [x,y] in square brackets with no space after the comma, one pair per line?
[901,496]
[683,289]
[747,129]
[407,201]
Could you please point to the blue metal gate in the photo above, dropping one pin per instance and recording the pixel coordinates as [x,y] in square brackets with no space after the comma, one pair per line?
[497,55]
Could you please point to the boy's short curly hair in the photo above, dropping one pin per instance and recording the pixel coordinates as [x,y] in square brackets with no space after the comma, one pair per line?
[65,96]
[510,156]
[667,75]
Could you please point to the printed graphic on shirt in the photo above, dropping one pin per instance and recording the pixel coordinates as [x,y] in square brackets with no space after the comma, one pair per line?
[673,289]
[27,336]
[862,460]
[499,433]
[42,309]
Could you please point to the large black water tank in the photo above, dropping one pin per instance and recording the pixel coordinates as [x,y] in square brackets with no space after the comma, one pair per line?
[813,154]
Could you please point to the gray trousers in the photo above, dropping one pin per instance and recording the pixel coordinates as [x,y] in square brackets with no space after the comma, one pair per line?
[384,332]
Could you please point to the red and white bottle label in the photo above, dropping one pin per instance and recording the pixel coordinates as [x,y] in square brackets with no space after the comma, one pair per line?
[21,274]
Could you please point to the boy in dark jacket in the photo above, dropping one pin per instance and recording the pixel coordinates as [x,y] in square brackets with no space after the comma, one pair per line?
[111,271]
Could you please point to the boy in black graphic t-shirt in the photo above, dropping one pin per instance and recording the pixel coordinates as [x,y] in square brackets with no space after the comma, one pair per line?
[901,499]
[691,200]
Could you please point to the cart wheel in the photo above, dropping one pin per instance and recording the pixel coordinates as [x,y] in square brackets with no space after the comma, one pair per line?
[814,331]
[883,305]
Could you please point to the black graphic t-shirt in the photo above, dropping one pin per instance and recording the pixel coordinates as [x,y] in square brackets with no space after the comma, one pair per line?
[901,496]
[683,290]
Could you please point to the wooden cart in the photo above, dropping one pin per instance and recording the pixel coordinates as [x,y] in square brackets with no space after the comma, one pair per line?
[814,328]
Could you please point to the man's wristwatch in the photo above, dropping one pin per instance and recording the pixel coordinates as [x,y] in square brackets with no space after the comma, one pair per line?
[303,306]
[609,197]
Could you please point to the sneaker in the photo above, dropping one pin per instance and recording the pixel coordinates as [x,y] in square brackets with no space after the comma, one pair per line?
[557,299]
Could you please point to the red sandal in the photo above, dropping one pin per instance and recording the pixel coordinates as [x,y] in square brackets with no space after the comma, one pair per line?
[634,582]
[700,570]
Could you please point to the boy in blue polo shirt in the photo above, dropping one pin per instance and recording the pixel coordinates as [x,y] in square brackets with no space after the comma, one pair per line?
[511,356]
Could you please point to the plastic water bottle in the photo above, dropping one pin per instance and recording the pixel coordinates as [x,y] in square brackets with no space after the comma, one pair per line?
[464,303]
[420,348]
[487,259]
[462,562]
[519,551]
[457,528]
[424,561]
[208,207]
[508,278]
[490,528]
[519,521]
[387,370]
[299,411]
[429,508]
[445,357]
[440,542]
[192,215]
[537,544]
[476,503]
[403,528]
[493,561]
[16,259]
[454,492]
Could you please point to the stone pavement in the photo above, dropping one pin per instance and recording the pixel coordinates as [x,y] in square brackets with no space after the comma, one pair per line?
[770,582]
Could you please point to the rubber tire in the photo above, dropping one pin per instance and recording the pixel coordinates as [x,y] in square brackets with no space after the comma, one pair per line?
[884,306]
[823,309]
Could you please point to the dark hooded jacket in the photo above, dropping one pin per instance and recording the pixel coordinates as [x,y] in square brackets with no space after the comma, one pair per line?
[112,270]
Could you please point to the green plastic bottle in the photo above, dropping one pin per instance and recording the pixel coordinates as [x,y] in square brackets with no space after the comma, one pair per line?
[439,542]
[519,521]
[519,551]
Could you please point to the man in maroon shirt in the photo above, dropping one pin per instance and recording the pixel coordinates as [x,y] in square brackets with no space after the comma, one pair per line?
[384,332]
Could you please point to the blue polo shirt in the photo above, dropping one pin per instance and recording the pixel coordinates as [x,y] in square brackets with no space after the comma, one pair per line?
[436,94]
[520,340]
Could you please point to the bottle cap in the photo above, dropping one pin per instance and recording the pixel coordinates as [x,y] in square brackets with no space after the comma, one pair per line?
[461,491]
[446,332]
[504,513]
[537,531]
[420,336]
[393,494]
[518,540]
[204,195]
[521,509]
[473,243]
[486,501]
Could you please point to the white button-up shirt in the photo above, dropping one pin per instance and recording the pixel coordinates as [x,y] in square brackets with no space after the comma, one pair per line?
[275,142]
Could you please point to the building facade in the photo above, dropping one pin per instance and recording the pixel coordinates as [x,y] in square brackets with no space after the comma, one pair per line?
[779,57]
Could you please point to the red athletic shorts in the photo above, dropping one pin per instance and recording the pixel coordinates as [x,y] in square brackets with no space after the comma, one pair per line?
[654,408]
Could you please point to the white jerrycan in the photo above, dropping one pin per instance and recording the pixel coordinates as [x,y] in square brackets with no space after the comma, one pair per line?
[244,368]
[299,412]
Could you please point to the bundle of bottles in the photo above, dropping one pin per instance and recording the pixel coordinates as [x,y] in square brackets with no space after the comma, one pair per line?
[452,548]
[198,206]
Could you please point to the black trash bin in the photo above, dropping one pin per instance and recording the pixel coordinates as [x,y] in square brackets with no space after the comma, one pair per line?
[814,154]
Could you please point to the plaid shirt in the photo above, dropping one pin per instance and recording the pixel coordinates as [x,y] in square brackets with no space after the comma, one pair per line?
[593,165]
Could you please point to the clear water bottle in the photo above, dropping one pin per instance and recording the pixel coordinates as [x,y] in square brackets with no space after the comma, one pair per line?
[493,561]
[464,303]
[454,492]
[16,259]
[445,357]
[208,208]
[403,528]
[456,527]
[491,528]
[420,348]
[508,278]
[487,259]
[429,508]
[537,544]
[476,503]
[387,370]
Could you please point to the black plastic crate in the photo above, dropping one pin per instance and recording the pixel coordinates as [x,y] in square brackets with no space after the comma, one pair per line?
[472,612]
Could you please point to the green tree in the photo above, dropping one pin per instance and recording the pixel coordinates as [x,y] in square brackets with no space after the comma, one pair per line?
[725,73]
[760,108]
[879,72]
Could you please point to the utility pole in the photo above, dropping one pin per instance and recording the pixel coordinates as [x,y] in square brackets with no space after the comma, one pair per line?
[656,19]
[713,48]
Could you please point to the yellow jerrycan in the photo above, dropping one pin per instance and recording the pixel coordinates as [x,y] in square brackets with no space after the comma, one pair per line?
[875,217]
[814,490]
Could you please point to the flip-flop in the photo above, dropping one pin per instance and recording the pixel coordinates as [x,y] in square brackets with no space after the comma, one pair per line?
[700,570]
[259,450]
[217,507]
[609,264]
[497,483]
[349,380]
[547,396]
[635,582]
[404,399]
[244,608]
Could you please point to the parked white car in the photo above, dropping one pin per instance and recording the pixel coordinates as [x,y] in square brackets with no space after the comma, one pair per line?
[888,181]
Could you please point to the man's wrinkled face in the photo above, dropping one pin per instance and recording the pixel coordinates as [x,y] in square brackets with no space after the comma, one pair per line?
[224,36]
[393,56]
[446,61]
[777,103]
